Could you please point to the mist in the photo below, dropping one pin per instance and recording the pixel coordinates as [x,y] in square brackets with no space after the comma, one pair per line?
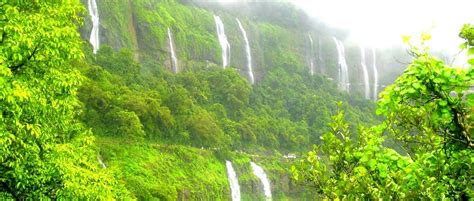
[381,24]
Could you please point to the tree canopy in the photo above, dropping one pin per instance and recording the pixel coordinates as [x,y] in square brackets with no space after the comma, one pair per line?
[429,121]
[44,151]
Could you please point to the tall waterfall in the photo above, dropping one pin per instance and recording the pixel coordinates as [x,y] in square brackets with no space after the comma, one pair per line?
[102,164]
[258,171]
[311,54]
[366,73]
[376,74]
[174,60]
[320,55]
[94,13]
[343,72]
[223,41]
[233,181]
[247,51]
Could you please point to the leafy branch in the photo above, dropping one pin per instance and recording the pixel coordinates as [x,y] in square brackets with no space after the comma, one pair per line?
[15,68]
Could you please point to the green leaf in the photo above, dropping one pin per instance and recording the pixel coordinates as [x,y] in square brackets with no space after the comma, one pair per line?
[364,159]
[425,36]
[383,174]
[471,61]
[406,39]
[470,51]
[400,163]
[372,164]
[416,85]
[443,103]
[470,99]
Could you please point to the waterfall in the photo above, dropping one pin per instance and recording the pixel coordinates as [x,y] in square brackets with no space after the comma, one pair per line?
[258,171]
[247,51]
[343,72]
[320,55]
[366,73]
[376,74]
[233,181]
[102,164]
[174,60]
[311,53]
[94,13]
[223,41]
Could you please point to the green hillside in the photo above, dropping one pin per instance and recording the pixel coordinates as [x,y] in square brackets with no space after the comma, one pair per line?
[119,124]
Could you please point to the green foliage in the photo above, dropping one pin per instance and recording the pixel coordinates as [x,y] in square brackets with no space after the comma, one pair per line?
[166,172]
[429,109]
[467,33]
[44,152]
[365,168]
[126,124]
[344,168]
[120,63]
[141,26]
[210,107]
[428,100]
[279,45]
[81,175]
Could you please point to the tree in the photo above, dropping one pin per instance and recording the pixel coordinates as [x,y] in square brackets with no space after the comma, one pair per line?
[125,124]
[427,103]
[428,109]
[38,104]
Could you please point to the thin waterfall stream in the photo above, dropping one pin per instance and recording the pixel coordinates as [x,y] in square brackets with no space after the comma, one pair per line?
[247,52]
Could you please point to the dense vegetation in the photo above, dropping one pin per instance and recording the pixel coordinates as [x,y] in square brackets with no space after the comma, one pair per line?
[166,136]
[44,151]
[208,106]
[429,111]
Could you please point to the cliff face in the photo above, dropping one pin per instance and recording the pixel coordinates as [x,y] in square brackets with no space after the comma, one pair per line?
[277,32]
[276,38]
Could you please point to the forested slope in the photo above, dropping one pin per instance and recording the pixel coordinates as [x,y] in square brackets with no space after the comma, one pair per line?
[124,122]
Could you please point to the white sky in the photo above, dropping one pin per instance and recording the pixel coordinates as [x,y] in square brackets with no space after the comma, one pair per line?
[381,23]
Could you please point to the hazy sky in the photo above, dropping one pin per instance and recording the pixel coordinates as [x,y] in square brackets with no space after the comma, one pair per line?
[382,22]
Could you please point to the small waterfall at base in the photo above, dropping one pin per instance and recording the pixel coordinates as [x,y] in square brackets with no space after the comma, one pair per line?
[366,73]
[223,41]
[376,74]
[102,164]
[94,13]
[174,60]
[248,53]
[311,54]
[233,181]
[258,171]
[343,72]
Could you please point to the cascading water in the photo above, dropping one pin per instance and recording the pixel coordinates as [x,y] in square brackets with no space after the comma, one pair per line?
[102,164]
[343,72]
[174,60]
[248,53]
[223,41]
[376,74]
[311,53]
[320,55]
[233,181]
[94,13]
[258,171]
[366,73]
